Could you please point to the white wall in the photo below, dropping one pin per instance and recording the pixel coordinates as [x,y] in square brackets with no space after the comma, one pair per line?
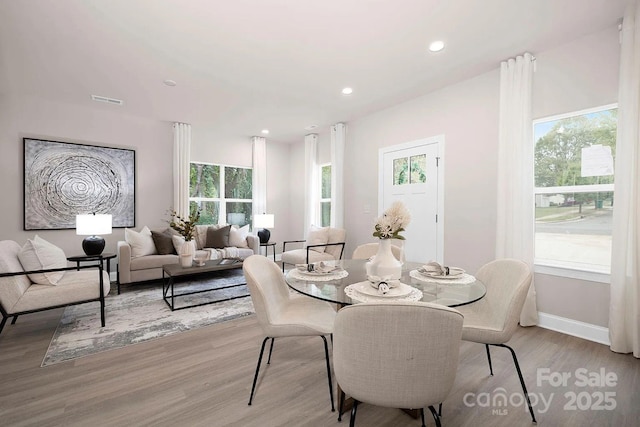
[30,117]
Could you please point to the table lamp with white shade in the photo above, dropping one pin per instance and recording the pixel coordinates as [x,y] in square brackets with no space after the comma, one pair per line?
[264,221]
[93,225]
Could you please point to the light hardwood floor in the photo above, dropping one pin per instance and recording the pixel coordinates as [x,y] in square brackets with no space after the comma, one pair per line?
[203,378]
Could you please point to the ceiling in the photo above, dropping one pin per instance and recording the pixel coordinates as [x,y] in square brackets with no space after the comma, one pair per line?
[245,65]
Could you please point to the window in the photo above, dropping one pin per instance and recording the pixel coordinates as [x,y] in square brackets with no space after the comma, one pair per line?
[325,195]
[573,166]
[222,193]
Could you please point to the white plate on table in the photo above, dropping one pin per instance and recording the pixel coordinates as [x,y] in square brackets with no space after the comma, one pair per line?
[458,273]
[365,288]
[317,273]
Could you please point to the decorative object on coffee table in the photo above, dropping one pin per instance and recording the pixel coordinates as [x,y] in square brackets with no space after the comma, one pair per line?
[186,228]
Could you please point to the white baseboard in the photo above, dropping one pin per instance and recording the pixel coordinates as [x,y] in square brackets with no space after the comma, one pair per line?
[574,328]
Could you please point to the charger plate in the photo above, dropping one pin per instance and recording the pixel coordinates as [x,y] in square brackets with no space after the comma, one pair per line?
[352,292]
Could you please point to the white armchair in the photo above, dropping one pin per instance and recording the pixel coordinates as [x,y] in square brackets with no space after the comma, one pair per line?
[322,244]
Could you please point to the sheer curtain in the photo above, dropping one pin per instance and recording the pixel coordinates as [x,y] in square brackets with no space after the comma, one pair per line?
[259,175]
[515,210]
[311,196]
[181,159]
[338,139]
[624,314]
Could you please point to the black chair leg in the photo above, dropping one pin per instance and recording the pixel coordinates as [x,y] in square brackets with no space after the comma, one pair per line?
[341,405]
[354,409]
[270,350]
[326,355]
[255,378]
[4,320]
[422,417]
[13,321]
[440,409]
[524,387]
[435,416]
[489,359]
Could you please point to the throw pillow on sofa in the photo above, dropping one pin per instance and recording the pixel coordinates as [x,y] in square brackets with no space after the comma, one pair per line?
[238,236]
[218,238]
[38,254]
[141,242]
[163,243]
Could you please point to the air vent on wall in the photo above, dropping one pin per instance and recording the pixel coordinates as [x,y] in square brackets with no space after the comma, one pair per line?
[107,100]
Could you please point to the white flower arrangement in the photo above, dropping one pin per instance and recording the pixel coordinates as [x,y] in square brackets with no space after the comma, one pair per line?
[393,221]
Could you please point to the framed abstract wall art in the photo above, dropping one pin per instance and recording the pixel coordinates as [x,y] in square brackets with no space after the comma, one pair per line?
[64,179]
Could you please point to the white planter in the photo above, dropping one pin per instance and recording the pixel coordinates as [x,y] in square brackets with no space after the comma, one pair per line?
[187,252]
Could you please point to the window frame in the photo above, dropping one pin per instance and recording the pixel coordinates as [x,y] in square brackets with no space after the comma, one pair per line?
[321,199]
[567,271]
[222,200]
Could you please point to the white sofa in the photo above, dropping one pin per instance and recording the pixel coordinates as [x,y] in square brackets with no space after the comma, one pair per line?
[149,267]
[20,295]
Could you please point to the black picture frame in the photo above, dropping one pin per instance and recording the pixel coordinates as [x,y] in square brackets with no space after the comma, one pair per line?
[64,179]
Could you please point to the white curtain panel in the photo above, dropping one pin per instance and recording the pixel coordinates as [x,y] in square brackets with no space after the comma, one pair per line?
[624,316]
[515,210]
[259,175]
[181,159]
[311,195]
[338,139]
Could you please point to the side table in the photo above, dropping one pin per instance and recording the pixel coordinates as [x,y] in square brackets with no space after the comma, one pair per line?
[266,251]
[86,258]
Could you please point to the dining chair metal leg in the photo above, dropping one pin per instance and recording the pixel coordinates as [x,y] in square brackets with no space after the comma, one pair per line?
[435,417]
[270,351]
[255,377]
[2,322]
[326,355]
[524,387]
[422,417]
[440,409]
[354,410]
[341,405]
[13,321]
[489,358]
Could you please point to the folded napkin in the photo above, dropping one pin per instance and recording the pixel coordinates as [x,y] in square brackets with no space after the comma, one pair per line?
[316,267]
[434,268]
[382,284]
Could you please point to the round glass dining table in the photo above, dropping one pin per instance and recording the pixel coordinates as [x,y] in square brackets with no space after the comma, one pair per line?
[442,292]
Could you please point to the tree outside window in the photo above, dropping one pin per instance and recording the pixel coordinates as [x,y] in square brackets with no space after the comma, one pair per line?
[574,198]
[325,195]
[222,193]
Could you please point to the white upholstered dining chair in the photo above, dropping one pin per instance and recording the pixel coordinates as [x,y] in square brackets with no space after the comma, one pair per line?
[279,315]
[494,319]
[396,354]
[367,250]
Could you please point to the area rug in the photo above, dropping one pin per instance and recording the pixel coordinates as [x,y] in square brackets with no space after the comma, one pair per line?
[140,314]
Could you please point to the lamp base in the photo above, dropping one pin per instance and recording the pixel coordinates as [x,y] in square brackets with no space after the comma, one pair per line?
[93,245]
[264,235]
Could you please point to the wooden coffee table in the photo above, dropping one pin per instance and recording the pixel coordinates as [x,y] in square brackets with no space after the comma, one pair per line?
[172,271]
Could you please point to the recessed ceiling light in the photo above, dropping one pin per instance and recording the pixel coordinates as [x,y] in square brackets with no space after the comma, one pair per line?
[169,82]
[436,46]
[347,91]
[265,131]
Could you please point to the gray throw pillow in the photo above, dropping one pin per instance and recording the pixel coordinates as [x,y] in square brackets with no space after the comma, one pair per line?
[218,238]
[163,243]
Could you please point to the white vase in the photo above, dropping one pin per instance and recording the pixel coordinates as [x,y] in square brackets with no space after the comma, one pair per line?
[187,252]
[384,265]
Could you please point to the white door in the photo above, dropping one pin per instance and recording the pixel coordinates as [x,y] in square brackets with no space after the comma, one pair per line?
[413,173]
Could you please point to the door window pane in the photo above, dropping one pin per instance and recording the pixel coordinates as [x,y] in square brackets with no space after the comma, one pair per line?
[400,171]
[419,169]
